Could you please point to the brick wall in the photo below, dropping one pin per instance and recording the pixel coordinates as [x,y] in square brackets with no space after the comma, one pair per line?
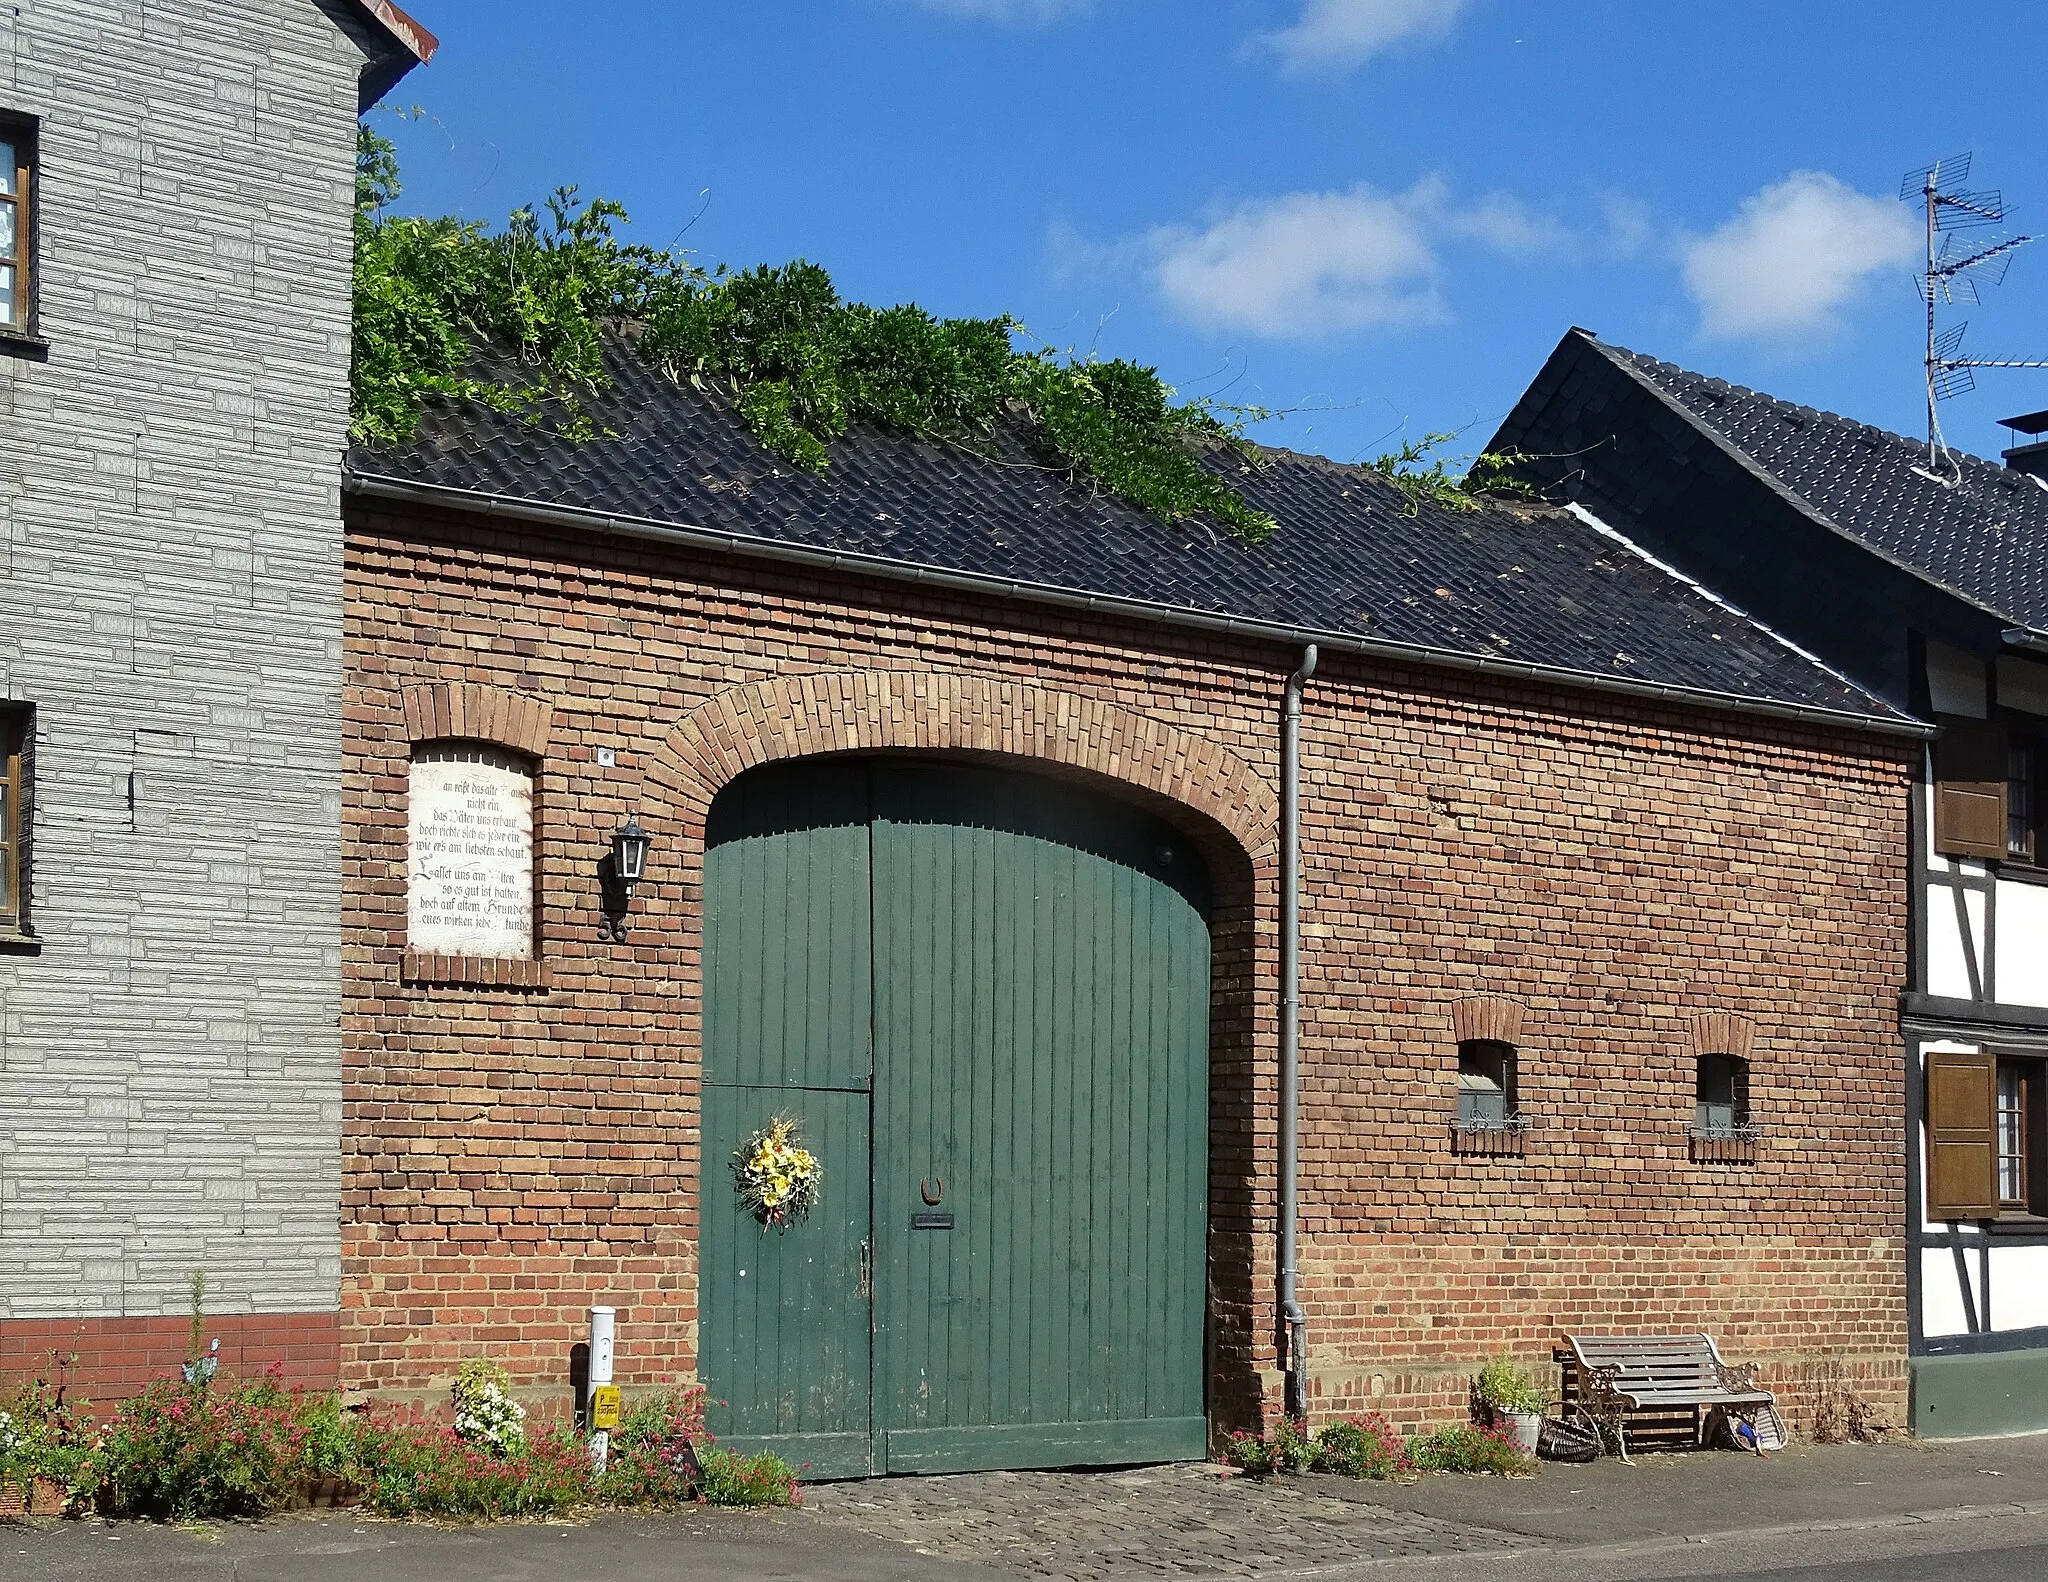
[1616,871]
[170,603]
[103,1360]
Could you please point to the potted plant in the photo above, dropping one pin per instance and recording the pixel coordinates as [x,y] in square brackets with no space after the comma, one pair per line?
[1512,1400]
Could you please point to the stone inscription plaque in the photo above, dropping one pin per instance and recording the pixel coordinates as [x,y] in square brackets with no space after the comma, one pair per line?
[469,876]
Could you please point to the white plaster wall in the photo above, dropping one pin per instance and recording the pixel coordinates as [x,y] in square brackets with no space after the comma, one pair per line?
[2021,973]
[1948,968]
[1955,681]
[1941,1291]
[2019,1287]
[2022,684]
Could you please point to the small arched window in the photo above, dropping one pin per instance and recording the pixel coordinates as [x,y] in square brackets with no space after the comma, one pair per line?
[1489,1109]
[1486,1084]
[1721,1097]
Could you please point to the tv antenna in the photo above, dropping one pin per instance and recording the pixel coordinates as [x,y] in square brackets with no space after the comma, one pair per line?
[1956,263]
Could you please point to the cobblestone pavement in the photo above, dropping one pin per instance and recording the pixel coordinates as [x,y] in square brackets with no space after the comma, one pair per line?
[1180,1521]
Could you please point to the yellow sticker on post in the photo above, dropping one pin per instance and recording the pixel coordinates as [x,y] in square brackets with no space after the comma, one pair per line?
[604,1407]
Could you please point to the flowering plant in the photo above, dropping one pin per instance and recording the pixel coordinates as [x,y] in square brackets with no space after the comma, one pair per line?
[485,1412]
[776,1175]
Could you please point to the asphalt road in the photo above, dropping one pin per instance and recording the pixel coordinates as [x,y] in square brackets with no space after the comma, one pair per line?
[1983,1549]
[1960,1512]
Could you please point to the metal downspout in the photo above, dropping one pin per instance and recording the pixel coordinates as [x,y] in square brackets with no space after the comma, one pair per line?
[1291,1311]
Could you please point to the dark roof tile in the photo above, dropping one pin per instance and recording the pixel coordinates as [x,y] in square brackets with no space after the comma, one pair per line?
[1979,529]
[1536,585]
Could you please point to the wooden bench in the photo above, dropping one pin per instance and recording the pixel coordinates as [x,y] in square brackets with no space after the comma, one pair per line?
[1618,1374]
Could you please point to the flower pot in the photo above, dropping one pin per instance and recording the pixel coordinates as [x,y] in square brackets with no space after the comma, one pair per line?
[1522,1427]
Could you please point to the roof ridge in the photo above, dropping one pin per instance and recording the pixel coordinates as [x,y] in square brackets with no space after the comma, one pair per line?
[1633,364]
[1645,360]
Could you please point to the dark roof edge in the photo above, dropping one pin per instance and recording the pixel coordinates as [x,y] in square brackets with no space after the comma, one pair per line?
[1770,480]
[410,45]
[379,486]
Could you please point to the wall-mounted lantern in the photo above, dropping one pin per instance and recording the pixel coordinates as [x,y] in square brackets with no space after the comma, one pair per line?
[629,851]
[620,872]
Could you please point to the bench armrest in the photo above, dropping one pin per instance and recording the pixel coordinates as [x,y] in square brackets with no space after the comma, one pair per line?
[1598,1388]
[1737,1380]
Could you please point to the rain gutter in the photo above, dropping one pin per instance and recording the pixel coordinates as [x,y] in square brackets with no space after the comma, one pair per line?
[1292,1314]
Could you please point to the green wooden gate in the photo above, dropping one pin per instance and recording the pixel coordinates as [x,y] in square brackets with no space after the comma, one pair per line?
[986,996]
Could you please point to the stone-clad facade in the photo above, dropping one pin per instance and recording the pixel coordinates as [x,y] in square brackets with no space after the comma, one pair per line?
[1613,883]
[170,608]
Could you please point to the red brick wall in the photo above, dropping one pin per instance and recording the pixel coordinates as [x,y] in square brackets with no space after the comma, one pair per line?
[109,1359]
[514,1153]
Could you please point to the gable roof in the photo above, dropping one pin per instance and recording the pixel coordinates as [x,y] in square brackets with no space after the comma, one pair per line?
[1980,534]
[1539,591]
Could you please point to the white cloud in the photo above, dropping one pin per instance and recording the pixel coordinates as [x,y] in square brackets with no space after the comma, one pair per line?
[1027,11]
[1785,264]
[1306,264]
[1336,35]
[1505,224]
[1628,226]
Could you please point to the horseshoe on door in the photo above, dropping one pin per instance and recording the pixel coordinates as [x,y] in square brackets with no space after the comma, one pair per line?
[932,1194]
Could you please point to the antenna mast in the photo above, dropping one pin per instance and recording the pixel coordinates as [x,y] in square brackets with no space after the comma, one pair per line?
[1953,269]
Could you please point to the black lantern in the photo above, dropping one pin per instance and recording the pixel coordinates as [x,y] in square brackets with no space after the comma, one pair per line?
[629,852]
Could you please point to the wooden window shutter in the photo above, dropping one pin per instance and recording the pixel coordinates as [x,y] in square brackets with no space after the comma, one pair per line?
[1962,1136]
[1969,788]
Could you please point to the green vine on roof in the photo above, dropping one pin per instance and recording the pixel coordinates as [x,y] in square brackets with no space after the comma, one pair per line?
[1493,473]
[799,363]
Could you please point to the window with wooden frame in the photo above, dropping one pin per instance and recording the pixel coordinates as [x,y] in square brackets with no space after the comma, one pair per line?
[2018,1133]
[1972,781]
[14,828]
[1984,1135]
[1991,790]
[17,224]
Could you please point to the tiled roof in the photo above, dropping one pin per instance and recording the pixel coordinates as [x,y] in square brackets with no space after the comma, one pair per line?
[1535,585]
[1982,534]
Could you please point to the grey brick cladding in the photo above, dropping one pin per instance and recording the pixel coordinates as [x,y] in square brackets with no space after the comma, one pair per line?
[170,602]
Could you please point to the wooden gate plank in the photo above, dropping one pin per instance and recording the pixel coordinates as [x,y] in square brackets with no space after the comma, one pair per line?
[1030,959]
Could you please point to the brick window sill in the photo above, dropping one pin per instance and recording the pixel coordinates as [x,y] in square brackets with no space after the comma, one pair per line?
[491,972]
[1490,1142]
[1721,1150]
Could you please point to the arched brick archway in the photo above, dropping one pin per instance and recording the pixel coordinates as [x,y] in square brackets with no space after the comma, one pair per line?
[859,710]
[1230,809]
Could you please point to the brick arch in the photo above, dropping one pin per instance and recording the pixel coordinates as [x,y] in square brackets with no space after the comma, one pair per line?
[475,712]
[1488,1018]
[855,710]
[1179,775]
[1723,1033]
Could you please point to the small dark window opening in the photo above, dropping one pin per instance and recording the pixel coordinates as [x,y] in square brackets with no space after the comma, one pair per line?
[1486,1085]
[15,771]
[1721,1097]
[2023,760]
[17,224]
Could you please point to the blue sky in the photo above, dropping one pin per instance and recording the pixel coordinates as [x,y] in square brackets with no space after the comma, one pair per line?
[1377,214]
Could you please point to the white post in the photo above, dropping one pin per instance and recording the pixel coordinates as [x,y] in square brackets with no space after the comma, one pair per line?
[601,1329]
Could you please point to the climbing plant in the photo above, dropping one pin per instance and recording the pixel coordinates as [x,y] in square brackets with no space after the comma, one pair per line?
[516,319]
[1422,472]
